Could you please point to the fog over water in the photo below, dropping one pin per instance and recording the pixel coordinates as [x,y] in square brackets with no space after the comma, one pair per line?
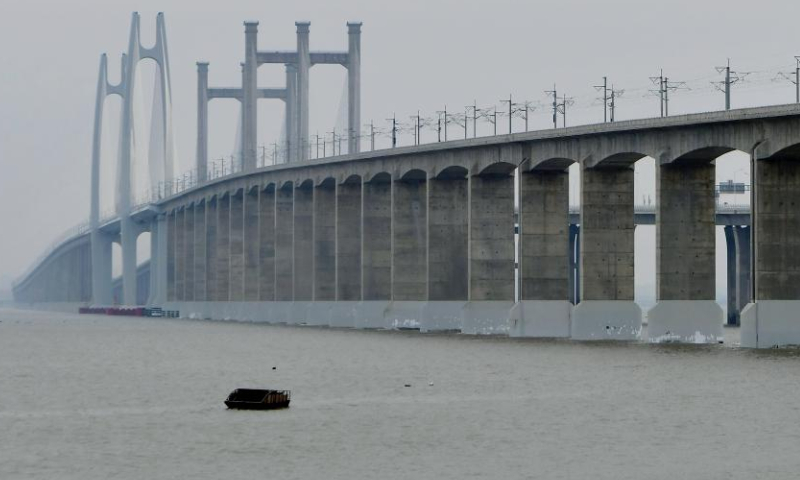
[416,55]
[95,397]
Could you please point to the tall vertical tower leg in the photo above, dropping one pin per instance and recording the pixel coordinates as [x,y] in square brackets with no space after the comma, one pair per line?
[303,66]
[202,122]
[291,112]
[354,87]
[249,97]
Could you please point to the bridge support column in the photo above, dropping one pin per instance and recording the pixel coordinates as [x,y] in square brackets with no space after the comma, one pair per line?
[744,286]
[200,236]
[574,264]
[685,262]
[409,253]
[544,256]
[128,242]
[324,252]
[303,67]
[303,277]
[188,241]
[448,258]
[170,256]
[266,268]
[249,97]
[348,253]
[284,252]
[201,162]
[158,261]
[101,268]
[354,87]
[223,250]
[773,319]
[251,245]
[491,254]
[236,240]
[180,253]
[212,220]
[607,310]
[377,253]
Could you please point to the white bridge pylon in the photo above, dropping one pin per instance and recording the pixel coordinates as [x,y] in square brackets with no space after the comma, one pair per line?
[161,159]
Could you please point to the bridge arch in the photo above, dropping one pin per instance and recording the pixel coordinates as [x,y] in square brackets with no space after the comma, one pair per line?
[552,164]
[379,177]
[497,169]
[452,172]
[414,174]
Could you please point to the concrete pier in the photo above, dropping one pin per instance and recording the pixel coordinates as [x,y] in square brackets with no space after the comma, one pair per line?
[223,251]
[200,254]
[325,241]
[188,246]
[266,247]
[303,67]
[303,278]
[607,310]
[251,244]
[353,87]
[212,220]
[491,253]
[773,318]
[685,263]
[284,243]
[236,242]
[410,251]
[249,97]
[544,241]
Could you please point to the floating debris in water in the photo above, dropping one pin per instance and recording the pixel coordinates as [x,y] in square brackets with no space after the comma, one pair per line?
[407,384]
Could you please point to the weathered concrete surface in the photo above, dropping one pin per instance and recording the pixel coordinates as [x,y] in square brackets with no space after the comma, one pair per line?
[777,226]
[544,235]
[266,249]
[251,245]
[544,309]
[685,230]
[448,239]
[685,321]
[685,256]
[377,253]
[325,242]
[371,314]
[284,244]
[342,314]
[606,320]
[486,317]
[180,254]
[348,240]
[541,319]
[304,243]
[171,236]
[491,238]
[607,234]
[188,277]
[403,314]
[410,239]
[744,285]
[212,220]
[200,237]
[442,315]
[236,292]
[770,323]
[223,260]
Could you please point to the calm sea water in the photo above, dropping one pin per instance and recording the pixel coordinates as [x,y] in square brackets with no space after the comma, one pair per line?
[103,398]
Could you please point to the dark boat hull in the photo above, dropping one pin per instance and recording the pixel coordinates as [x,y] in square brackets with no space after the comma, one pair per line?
[256,405]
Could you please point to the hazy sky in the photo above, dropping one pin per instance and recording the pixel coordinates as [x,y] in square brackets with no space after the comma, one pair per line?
[416,55]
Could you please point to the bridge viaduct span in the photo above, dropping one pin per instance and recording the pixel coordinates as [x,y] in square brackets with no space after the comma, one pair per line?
[424,236]
[469,235]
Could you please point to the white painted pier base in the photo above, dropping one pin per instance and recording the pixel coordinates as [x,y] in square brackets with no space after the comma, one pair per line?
[342,314]
[606,320]
[770,323]
[685,321]
[318,313]
[371,314]
[404,314]
[486,317]
[541,318]
[442,316]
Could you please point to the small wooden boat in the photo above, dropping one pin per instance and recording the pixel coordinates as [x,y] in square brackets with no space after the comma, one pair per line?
[254,399]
